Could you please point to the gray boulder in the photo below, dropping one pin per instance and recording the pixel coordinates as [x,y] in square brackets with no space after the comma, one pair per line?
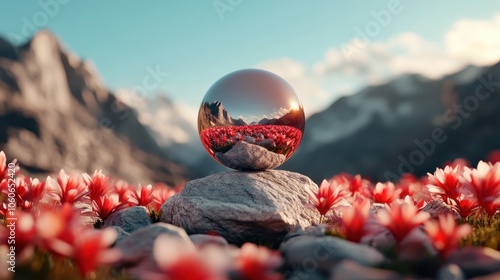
[137,248]
[476,261]
[129,219]
[260,207]
[200,240]
[416,246]
[324,252]
[450,272]
[305,274]
[315,230]
[121,233]
[349,270]
[246,156]
[493,276]
[379,238]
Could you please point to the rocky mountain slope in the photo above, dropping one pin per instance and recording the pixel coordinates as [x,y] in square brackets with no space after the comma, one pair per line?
[384,131]
[56,113]
[214,114]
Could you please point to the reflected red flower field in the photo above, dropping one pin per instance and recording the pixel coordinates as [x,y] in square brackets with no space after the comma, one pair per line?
[280,139]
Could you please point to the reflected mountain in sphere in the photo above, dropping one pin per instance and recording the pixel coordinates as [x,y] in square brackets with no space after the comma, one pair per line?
[251,120]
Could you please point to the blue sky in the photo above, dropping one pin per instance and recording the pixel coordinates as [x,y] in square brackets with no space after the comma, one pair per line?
[197,45]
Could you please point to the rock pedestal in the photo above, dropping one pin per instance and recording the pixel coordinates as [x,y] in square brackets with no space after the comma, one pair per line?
[249,156]
[260,207]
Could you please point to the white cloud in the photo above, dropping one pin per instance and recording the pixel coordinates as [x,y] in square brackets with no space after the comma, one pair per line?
[381,60]
[312,95]
[343,71]
[475,41]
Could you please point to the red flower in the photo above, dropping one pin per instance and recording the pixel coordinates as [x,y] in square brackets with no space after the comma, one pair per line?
[142,196]
[3,166]
[445,234]
[417,203]
[123,189]
[465,206]
[190,267]
[409,186]
[90,249]
[97,184]
[401,219]
[67,189]
[257,263]
[354,185]
[160,194]
[61,231]
[64,223]
[385,193]
[484,182]
[104,206]
[25,234]
[3,208]
[4,170]
[354,220]
[445,182]
[326,197]
[179,261]
[29,192]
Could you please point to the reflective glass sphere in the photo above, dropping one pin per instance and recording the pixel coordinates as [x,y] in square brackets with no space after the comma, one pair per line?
[251,120]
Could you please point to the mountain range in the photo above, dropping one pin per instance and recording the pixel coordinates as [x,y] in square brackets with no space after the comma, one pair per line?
[410,124]
[215,114]
[55,113]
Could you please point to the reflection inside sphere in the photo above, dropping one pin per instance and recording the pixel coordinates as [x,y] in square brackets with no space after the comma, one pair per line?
[251,120]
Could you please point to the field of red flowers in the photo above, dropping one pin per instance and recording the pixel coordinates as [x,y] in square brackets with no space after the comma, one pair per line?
[52,229]
[285,138]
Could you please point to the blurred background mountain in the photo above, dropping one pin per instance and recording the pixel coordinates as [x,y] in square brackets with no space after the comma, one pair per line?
[380,108]
[56,113]
[411,124]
